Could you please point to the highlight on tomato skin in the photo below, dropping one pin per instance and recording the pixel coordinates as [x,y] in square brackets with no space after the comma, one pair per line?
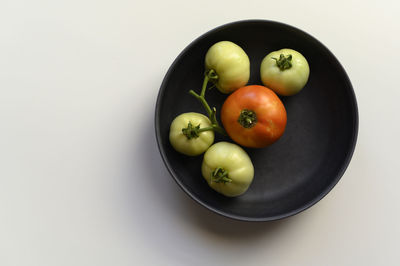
[254,116]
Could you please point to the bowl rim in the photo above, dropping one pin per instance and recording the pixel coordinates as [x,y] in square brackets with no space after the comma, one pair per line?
[302,208]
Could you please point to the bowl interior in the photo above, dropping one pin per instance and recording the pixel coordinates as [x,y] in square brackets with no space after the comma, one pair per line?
[309,159]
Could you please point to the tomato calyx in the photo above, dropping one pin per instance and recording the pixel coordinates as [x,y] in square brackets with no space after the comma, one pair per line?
[192,132]
[283,62]
[247,118]
[220,175]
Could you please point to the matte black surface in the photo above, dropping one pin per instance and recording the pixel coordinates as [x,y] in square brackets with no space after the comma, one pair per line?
[305,164]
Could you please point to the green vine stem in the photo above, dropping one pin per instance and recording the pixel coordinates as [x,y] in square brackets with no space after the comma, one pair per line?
[212,113]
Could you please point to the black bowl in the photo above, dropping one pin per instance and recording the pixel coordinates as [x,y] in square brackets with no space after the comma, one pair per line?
[305,163]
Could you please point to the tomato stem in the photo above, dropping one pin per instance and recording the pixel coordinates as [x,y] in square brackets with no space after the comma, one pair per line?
[206,129]
[210,75]
[283,62]
[220,175]
[194,131]
[191,132]
[202,101]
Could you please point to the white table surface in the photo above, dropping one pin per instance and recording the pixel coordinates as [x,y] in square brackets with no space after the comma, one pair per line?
[81,178]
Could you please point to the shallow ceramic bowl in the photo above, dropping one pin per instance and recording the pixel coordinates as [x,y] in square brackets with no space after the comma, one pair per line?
[305,163]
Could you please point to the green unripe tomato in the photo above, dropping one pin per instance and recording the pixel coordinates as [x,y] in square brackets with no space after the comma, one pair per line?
[191,133]
[285,71]
[227,169]
[230,63]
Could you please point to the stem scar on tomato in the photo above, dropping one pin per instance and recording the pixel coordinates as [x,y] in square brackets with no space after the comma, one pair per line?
[247,118]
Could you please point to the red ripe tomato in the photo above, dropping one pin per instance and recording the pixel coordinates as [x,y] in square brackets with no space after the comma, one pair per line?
[254,116]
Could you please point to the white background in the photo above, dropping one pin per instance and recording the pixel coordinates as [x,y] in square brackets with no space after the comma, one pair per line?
[81,179]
